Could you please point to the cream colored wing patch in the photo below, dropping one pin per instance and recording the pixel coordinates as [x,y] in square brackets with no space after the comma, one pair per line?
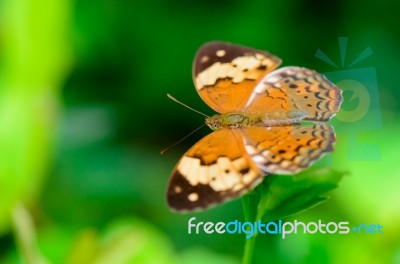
[214,170]
[239,69]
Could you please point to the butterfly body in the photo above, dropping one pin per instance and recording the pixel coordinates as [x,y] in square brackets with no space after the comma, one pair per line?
[257,130]
[243,120]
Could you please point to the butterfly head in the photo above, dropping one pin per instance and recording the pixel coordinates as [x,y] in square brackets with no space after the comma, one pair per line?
[214,122]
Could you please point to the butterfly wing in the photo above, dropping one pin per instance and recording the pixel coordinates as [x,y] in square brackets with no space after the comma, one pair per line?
[215,169]
[288,149]
[225,74]
[296,88]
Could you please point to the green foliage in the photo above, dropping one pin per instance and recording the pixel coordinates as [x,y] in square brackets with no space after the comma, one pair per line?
[278,197]
[34,59]
[124,240]
[115,119]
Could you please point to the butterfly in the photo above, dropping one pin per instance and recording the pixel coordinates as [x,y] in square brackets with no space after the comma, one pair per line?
[258,130]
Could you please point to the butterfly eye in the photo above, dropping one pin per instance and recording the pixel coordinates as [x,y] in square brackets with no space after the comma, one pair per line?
[215,125]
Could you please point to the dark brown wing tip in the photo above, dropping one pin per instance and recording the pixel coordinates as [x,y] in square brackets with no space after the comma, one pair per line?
[179,190]
[207,54]
[178,201]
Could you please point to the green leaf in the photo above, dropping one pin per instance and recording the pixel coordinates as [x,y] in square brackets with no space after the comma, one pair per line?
[282,196]
[124,241]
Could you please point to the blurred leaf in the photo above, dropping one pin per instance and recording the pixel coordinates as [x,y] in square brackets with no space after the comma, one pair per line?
[282,196]
[203,255]
[25,236]
[124,241]
[84,247]
[33,61]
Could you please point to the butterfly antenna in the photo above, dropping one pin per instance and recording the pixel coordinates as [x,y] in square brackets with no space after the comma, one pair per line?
[182,139]
[179,102]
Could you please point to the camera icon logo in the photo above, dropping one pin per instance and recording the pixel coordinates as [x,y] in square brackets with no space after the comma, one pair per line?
[360,110]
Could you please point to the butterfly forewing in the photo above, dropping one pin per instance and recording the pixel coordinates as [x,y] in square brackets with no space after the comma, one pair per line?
[296,88]
[215,169]
[225,74]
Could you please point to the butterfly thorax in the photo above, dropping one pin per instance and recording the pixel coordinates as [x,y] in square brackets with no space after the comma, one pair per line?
[228,121]
[269,119]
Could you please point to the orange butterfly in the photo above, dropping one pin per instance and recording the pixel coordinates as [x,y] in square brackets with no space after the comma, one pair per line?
[258,130]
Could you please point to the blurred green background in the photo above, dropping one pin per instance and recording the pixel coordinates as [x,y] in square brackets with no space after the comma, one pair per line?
[84,115]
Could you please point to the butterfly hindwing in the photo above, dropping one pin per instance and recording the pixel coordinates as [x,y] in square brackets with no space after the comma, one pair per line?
[296,88]
[225,74]
[288,149]
[214,170]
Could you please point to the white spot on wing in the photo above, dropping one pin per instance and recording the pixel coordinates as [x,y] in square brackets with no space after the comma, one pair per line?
[204,59]
[221,53]
[193,197]
[178,189]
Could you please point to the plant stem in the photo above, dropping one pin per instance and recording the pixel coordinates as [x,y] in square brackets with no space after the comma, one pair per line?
[250,204]
[254,211]
[249,249]
[25,236]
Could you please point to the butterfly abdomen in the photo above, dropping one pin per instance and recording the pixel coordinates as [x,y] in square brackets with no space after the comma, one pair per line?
[271,119]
